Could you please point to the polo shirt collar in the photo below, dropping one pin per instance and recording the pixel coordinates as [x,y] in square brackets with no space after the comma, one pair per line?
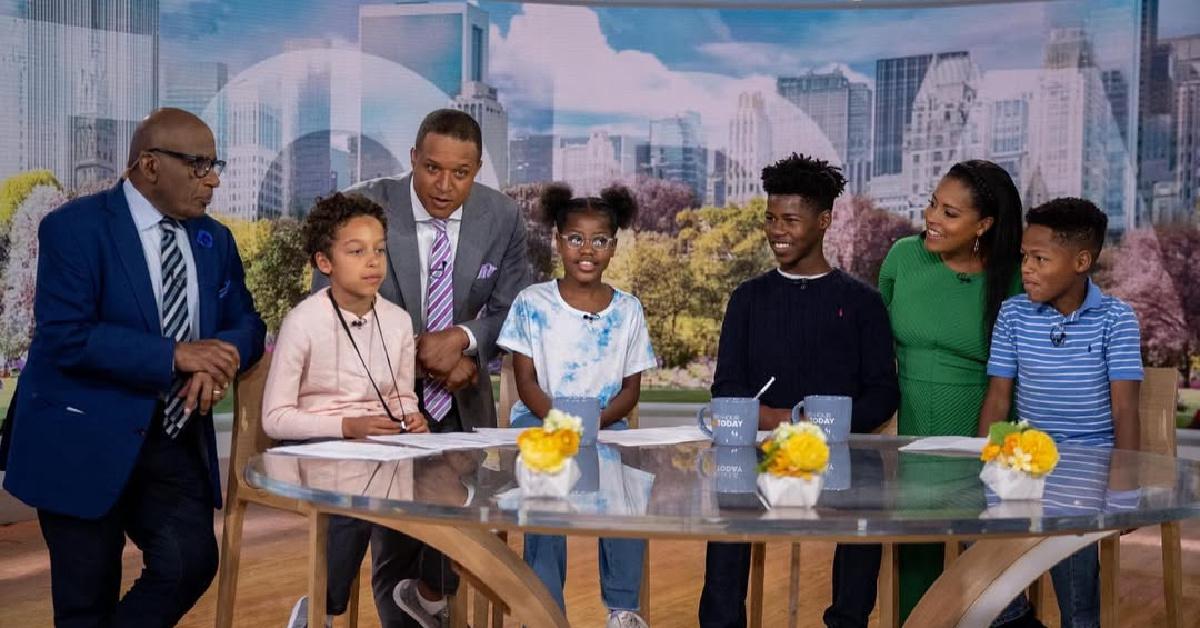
[1091,300]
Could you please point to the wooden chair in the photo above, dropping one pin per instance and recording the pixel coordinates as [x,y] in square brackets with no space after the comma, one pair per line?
[509,397]
[1156,411]
[248,439]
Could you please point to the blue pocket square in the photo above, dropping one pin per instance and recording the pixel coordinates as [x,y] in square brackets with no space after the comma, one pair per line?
[486,270]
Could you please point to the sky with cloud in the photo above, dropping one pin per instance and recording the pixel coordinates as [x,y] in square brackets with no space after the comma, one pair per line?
[589,67]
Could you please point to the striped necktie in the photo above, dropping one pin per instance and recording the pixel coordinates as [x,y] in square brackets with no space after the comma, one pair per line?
[439,309]
[175,323]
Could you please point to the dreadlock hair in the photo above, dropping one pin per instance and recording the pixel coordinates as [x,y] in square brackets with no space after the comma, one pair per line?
[814,179]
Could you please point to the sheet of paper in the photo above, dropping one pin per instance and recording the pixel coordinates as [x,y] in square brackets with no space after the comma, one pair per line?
[445,441]
[958,444]
[652,436]
[350,450]
[500,436]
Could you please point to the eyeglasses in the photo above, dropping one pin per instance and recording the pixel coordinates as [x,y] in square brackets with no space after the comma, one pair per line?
[1058,335]
[200,164]
[600,243]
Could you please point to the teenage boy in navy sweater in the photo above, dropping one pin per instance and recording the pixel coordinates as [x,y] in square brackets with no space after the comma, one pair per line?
[817,331]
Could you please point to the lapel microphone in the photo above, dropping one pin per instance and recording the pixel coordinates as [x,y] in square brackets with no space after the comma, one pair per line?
[358,323]
[964,278]
[589,317]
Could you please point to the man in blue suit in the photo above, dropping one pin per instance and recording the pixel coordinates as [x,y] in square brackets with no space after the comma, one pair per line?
[142,321]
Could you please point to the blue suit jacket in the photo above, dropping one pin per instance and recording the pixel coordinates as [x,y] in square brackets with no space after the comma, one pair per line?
[99,364]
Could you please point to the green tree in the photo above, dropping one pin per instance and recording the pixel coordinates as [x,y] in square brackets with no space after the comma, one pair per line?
[724,247]
[279,277]
[249,234]
[649,266]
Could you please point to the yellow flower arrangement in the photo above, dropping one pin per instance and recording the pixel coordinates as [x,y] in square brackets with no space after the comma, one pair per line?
[547,448]
[1018,446]
[796,450]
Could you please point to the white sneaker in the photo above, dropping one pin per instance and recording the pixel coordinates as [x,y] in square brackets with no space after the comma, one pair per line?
[409,600]
[625,619]
[299,616]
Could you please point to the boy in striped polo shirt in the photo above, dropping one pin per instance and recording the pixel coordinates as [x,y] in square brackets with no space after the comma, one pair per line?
[1074,355]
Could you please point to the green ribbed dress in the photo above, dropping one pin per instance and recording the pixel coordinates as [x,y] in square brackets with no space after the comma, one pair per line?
[937,319]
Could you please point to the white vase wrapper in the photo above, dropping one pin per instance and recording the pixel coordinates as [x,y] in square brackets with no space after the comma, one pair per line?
[782,492]
[539,484]
[1011,484]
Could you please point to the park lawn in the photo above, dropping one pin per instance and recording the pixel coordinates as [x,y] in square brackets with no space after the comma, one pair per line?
[1189,398]
[649,395]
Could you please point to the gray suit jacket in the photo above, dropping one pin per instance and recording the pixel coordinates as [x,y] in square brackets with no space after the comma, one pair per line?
[492,233]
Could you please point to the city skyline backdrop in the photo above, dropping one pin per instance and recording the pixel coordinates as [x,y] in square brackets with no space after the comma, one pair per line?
[1095,99]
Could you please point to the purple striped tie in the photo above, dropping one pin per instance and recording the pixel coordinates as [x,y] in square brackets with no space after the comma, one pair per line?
[439,308]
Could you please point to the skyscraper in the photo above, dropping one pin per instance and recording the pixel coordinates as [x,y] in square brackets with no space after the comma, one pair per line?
[531,159]
[252,185]
[749,149]
[479,101]
[1186,53]
[897,81]
[306,117]
[1075,146]
[857,164]
[421,56]
[196,86]
[842,110]
[92,74]
[678,151]
[934,133]
[825,97]
[443,42]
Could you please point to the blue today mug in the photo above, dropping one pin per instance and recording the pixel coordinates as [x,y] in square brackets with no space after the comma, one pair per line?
[734,421]
[831,412]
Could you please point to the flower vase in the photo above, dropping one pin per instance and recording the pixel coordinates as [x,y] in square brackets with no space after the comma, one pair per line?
[552,485]
[1012,484]
[784,491]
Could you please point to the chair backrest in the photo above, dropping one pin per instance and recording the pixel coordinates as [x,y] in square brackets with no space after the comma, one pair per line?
[508,392]
[508,396]
[1156,410]
[248,437]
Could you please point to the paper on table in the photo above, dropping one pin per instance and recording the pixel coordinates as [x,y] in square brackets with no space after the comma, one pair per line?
[652,436]
[500,436]
[350,450]
[962,444]
[439,441]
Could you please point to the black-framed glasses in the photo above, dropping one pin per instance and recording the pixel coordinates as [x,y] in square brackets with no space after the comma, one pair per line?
[1058,335]
[600,242]
[200,164]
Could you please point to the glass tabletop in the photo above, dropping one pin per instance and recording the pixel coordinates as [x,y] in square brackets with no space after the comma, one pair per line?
[694,490]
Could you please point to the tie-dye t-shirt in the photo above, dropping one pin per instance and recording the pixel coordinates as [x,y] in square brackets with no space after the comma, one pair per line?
[576,353]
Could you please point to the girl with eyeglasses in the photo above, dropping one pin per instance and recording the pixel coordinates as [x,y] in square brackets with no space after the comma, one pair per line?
[579,337]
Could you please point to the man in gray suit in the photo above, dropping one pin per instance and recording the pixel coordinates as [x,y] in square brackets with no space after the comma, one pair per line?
[457,258]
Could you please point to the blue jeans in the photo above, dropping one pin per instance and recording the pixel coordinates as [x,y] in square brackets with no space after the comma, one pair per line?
[1077,587]
[620,559]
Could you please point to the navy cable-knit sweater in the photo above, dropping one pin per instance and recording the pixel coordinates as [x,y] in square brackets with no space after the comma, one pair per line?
[825,336]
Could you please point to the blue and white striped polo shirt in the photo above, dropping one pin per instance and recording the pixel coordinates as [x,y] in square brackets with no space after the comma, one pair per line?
[1064,364]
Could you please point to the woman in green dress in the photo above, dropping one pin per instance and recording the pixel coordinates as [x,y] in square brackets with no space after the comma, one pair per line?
[943,289]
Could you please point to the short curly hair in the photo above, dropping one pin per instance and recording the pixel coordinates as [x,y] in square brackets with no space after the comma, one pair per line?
[329,214]
[800,175]
[1074,221]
